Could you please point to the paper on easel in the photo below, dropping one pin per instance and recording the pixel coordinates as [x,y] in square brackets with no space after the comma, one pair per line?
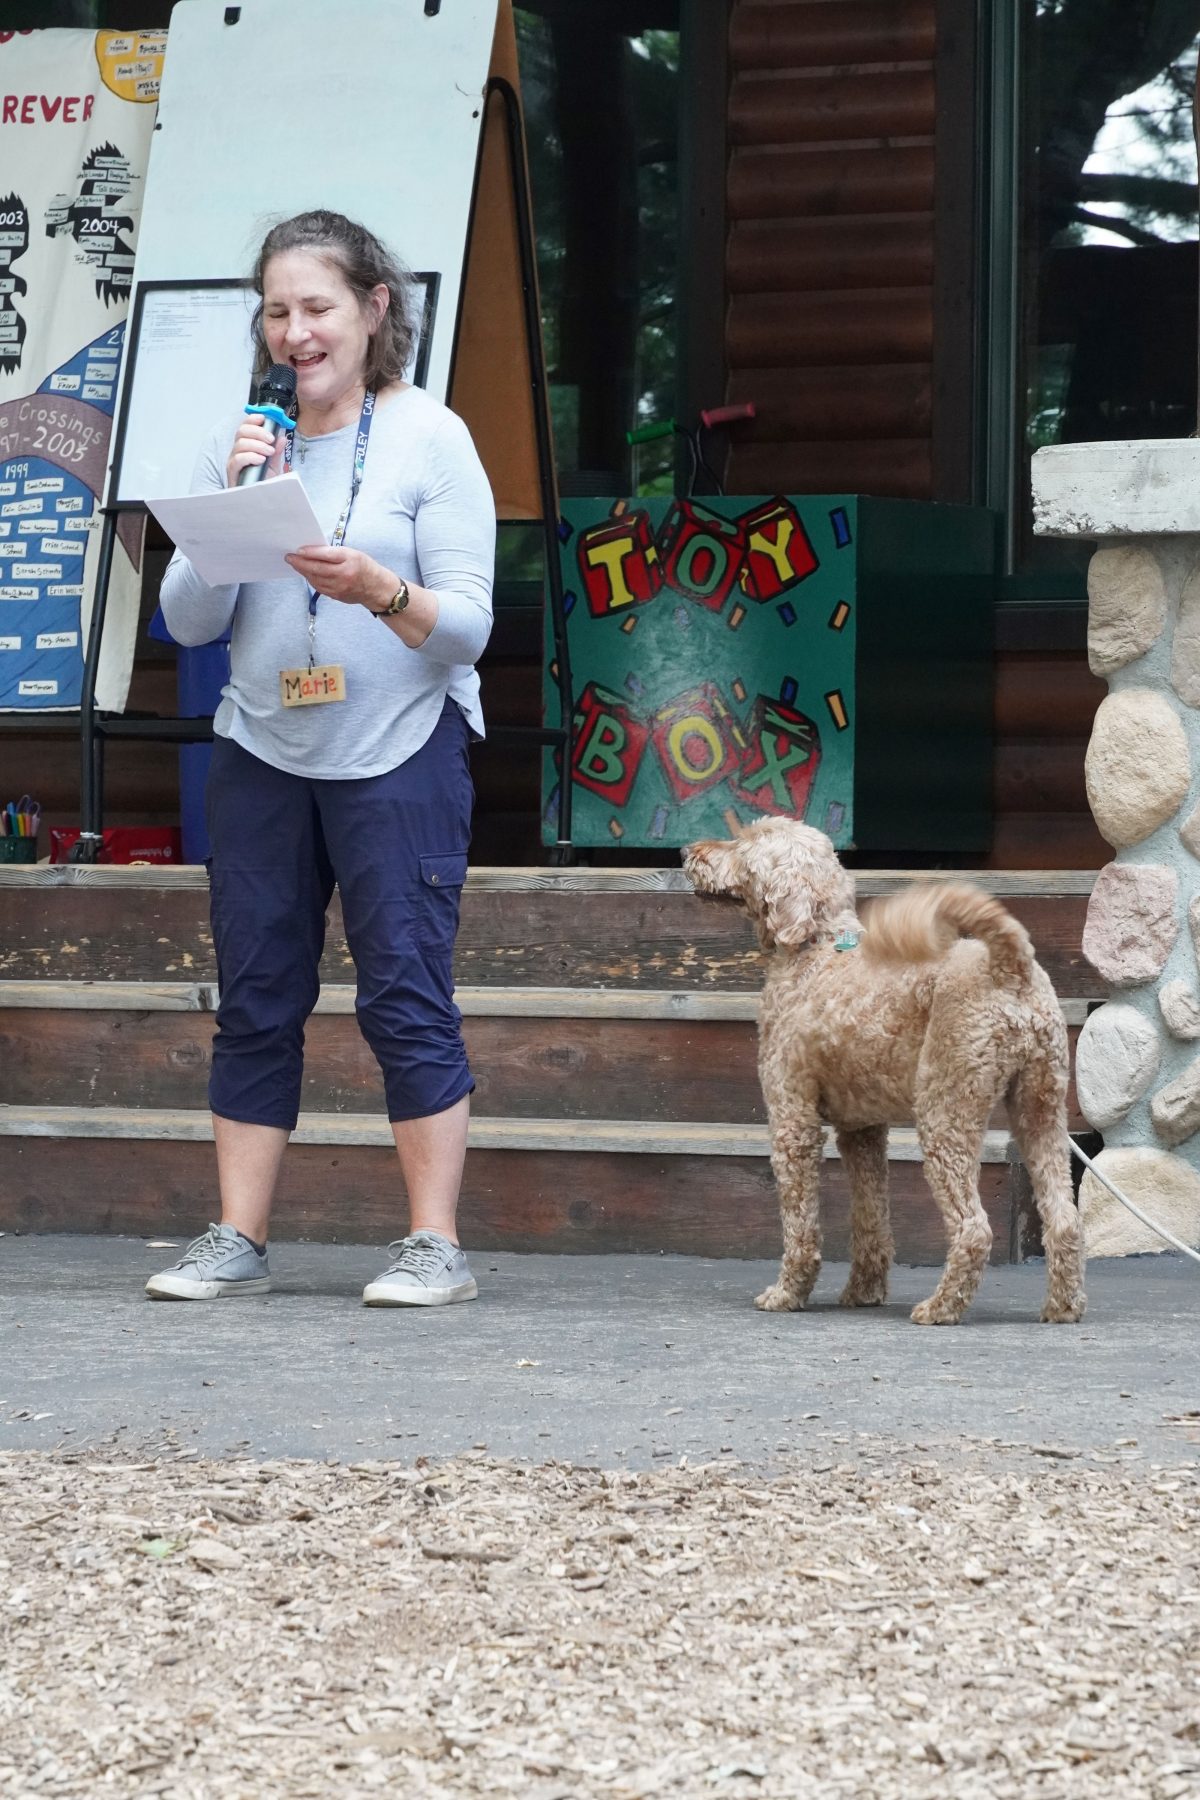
[241,534]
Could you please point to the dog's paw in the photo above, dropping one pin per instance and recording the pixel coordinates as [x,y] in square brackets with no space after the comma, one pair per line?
[778,1299]
[864,1290]
[936,1312]
[1070,1314]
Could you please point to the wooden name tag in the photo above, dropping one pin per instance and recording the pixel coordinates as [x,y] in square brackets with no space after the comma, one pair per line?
[312,687]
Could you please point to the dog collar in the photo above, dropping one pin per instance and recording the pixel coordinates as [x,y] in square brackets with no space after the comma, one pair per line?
[845,940]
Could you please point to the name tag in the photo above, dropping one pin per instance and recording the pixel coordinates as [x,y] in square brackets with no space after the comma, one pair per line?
[312,687]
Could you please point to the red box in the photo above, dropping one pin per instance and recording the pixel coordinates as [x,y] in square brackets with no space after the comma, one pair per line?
[699,741]
[781,760]
[123,843]
[619,564]
[702,553]
[779,552]
[609,742]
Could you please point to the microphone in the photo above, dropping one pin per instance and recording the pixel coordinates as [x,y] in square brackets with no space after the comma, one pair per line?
[276,391]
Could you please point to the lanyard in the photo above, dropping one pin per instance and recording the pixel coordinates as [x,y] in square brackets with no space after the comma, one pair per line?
[339,530]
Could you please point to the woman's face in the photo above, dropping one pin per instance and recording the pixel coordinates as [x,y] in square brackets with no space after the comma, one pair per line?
[313,320]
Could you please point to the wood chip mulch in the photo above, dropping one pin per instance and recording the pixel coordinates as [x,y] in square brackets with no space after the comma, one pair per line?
[896,1626]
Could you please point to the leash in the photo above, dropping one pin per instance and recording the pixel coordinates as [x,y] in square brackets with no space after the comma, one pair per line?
[1114,1190]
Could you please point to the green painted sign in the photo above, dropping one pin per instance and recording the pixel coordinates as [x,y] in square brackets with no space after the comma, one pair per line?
[712,648]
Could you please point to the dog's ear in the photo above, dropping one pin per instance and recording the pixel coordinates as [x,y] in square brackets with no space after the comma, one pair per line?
[787,911]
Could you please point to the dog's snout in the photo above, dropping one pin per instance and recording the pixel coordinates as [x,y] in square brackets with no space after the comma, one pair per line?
[696,863]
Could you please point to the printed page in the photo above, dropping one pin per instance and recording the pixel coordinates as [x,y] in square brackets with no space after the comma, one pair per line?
[241,534]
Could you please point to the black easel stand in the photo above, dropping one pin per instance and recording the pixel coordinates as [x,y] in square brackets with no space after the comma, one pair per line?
[96,727]
[561,737]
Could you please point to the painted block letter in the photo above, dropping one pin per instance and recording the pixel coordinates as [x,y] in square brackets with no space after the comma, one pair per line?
[609,742]
[619,564]
[702,552]
[781,761]
[698,739]
[779,552]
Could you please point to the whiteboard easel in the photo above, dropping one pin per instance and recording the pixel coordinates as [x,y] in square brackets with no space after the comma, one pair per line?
[372,108]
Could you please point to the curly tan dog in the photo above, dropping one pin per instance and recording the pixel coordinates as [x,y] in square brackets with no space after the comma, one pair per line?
[910,1024]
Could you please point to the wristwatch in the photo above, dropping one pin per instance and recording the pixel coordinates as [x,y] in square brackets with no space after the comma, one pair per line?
[396,604]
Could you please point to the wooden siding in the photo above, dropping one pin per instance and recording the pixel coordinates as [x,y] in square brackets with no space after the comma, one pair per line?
[829,262]
[1045,700]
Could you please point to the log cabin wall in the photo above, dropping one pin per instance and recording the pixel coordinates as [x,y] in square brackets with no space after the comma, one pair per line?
[852,233]
[830,245]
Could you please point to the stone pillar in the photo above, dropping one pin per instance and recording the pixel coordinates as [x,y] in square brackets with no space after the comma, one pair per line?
[1138,1062]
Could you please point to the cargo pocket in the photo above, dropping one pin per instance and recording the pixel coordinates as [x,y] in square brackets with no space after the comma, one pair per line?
[442,875]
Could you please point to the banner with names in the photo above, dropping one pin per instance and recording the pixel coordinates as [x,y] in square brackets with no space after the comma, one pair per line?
[77,112]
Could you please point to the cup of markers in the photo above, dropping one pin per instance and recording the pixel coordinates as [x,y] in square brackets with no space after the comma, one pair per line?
[19,823]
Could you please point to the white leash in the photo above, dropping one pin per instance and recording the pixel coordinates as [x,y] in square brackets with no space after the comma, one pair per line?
[1137,1212]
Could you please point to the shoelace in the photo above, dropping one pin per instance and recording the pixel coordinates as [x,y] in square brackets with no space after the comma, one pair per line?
[420,1254]
[206,1245]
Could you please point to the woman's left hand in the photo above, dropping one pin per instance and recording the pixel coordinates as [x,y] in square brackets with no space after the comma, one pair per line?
[344,574]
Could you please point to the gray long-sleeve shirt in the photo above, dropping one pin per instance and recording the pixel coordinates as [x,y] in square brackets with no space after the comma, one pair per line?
[425,511]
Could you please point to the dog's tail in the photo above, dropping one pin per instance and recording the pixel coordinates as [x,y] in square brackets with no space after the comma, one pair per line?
[923,923]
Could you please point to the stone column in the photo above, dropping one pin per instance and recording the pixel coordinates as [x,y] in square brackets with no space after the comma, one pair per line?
[1138,1062]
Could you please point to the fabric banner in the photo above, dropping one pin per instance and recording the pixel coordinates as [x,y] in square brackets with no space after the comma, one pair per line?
[76,117]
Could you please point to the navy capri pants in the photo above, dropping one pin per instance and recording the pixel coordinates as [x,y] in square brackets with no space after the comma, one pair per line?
[396,845]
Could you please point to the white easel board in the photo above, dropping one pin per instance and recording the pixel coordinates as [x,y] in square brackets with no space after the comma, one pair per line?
[372,108]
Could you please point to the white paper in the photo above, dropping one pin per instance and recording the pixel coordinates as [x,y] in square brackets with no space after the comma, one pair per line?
[241,534]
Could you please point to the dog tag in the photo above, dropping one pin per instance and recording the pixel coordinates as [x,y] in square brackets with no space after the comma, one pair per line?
[312,687]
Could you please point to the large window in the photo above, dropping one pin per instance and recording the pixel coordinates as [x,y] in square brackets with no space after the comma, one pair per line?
[600,85]
[1108,305]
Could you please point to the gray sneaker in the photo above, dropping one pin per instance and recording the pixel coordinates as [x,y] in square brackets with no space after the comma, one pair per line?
[221,1262]
[426,1270]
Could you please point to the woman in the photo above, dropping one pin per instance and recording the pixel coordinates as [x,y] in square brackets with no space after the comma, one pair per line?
[368,788]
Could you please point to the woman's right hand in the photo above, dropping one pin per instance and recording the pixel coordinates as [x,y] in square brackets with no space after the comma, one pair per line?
[254,444]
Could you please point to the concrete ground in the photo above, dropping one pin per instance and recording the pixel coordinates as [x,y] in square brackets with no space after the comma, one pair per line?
[620,1361]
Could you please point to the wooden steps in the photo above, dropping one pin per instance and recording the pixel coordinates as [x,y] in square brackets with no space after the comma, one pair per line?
[610,1019]
[566,1052]
[580,928]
